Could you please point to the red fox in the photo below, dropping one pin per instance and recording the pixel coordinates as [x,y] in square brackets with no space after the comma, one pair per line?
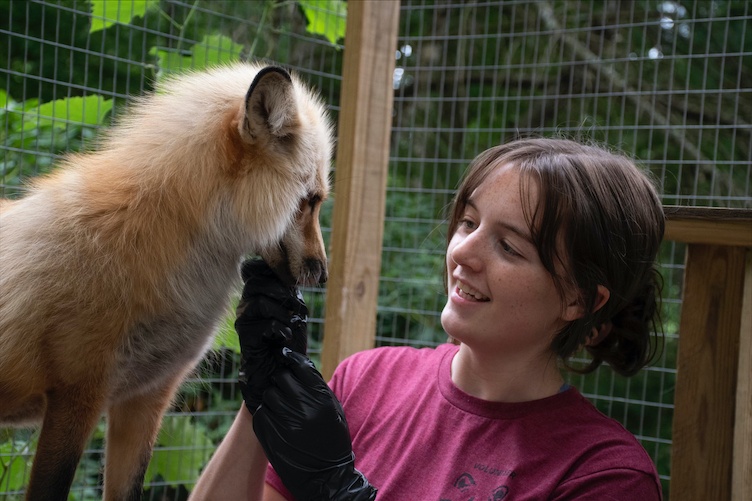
[116,268]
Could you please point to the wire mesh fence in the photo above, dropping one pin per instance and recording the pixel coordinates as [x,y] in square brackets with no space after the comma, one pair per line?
[665,81]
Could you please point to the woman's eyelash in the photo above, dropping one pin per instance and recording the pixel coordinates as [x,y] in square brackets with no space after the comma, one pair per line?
[467,223]
[508,248]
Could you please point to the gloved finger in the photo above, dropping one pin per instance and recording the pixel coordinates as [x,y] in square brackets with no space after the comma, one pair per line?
[267,306]
[280,402]
[259,278]
[261,306]
[273,288]
[254,268]
[302,368]
[268,287]
[264,335]
[299,341]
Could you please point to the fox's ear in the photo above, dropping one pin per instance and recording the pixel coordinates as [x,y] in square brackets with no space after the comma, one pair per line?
[270,109]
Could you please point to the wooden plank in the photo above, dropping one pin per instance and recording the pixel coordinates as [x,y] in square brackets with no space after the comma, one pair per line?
[709,225]
[741,487]
[360,180]
[698,231]
[703,426]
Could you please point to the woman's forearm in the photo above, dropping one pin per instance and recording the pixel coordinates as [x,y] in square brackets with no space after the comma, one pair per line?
[237,470]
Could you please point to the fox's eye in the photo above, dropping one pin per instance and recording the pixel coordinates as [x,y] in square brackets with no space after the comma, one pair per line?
[312,202]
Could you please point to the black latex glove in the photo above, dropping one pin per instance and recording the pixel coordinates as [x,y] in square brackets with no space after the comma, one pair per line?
[302,428]
[270,316]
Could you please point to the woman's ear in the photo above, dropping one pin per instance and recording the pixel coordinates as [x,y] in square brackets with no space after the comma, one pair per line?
[602,296]
[575,309]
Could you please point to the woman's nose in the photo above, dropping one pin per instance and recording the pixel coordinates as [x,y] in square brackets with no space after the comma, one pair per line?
[468,251]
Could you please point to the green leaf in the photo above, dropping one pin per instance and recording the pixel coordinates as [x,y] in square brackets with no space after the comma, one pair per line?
[89,110]
[105,13]
[215,49]
[210,51]
[326,17]
[183,450]
[15,464]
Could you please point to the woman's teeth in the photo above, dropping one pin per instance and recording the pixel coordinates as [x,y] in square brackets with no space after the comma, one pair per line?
[467,292]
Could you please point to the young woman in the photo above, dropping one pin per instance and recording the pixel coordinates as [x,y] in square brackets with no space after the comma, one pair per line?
[551,249]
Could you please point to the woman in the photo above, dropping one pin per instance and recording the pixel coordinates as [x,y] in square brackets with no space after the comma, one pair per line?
[551,248]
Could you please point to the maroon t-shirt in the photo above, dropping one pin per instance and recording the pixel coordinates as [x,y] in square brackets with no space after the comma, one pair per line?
[416,436]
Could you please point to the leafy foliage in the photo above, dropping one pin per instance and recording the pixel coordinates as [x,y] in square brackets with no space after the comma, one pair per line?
[326,17]
[106,13]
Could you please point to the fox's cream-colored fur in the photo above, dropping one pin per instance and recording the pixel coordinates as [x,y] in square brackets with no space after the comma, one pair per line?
[115,269]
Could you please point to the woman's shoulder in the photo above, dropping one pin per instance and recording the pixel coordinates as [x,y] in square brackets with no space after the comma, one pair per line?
[604,441]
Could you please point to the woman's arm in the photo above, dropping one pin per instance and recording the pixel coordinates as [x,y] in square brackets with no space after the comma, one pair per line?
[237,470]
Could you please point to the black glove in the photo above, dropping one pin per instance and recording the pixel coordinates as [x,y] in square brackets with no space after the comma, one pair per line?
[302,428]
[270,316]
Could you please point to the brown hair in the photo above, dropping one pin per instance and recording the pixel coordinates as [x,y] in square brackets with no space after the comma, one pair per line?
[599,218]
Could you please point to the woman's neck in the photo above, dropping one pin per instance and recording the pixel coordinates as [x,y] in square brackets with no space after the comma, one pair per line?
[498,379]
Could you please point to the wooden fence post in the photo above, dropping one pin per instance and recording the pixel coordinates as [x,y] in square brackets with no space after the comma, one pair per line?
[712,428]
[741,483]
[364,129]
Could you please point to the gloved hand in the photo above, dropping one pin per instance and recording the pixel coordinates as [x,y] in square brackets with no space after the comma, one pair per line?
[302,429]
[270,316]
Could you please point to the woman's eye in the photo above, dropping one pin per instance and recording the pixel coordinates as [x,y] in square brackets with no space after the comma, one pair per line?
[508,248]
[467,223]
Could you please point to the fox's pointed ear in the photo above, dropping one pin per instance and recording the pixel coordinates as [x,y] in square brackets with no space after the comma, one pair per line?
[270,109]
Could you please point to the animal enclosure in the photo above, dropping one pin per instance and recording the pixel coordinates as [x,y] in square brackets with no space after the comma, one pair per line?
[419,87]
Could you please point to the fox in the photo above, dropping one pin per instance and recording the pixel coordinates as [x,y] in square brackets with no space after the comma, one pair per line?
[116,268]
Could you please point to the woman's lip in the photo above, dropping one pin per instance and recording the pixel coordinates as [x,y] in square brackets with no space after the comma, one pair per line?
[470,293]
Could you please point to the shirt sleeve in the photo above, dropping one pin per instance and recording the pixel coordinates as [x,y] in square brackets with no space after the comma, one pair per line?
[616,484]
[273,479]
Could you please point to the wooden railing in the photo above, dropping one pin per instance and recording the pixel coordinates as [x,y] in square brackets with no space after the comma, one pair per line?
[712,428]
[711,447]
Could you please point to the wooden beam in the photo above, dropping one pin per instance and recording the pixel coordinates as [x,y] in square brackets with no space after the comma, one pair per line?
[364,130]
[707,371]
[709,225]
[741,487]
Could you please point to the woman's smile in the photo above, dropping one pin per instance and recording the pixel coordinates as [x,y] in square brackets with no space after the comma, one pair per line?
[467,292]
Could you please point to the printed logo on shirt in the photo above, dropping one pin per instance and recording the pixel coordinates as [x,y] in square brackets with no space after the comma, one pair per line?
[466,489]
[494,471]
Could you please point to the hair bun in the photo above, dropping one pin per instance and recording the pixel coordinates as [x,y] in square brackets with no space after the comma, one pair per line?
[628,346]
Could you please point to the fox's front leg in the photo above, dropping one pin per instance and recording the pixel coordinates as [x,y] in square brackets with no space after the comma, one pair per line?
[132,427]
[70,416]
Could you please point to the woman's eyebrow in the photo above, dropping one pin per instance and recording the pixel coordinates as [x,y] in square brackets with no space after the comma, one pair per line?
[522,233]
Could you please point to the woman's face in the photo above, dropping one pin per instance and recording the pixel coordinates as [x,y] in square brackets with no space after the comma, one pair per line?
[500,295]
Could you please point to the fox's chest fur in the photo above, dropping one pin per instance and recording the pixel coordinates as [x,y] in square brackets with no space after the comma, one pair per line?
[145,308]
[157,347]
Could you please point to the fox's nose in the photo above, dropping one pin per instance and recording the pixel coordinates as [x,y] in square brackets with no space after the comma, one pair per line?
[316,271]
